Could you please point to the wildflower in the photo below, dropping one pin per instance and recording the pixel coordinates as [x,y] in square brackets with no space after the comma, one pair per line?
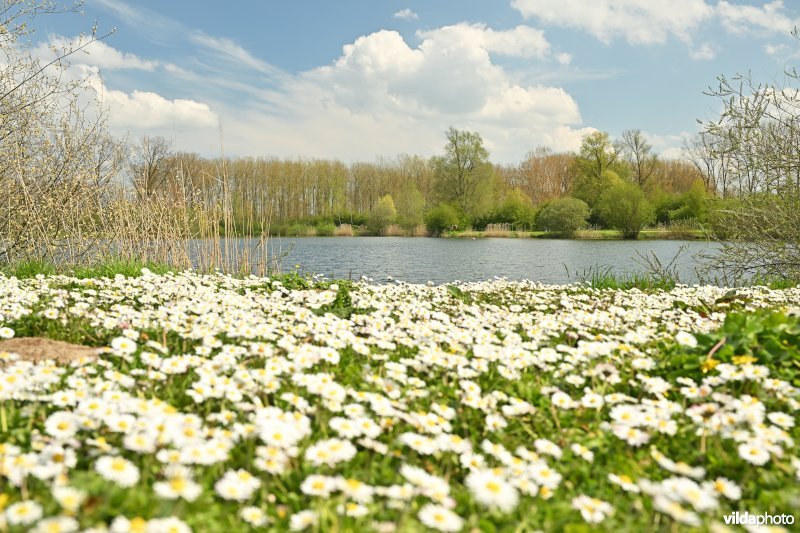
[237,485]
[492,490]
[117,469]
[592,510]
[170,524]
[24,512]
[179,484]
[302,520]
[686,339]
[754,452]
[56,524]
[440,518]
[623,481]
[69,498]
[583,452]
[253,516]
[123,345]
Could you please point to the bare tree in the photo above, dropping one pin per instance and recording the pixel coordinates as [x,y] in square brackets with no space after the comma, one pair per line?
[756,140]
[47,139]
[639,154]
[151,166]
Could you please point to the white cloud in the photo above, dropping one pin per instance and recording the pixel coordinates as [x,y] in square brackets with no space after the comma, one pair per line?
[704,52]
[636,21]
[406,14]
[381,96]
[140,111]
[769,18]
[228,51]
[97,53]
[522,41]
[449,78]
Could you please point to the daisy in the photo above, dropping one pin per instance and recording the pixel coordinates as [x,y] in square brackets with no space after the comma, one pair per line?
[754,452]
[440,518]
[25,512]
[592,510]
[623,481]
[123,345]
[253,516]
[492,490]
[117,469]
[302,520]
[56,524]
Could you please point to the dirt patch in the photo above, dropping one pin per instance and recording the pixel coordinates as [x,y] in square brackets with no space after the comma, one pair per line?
[37,349]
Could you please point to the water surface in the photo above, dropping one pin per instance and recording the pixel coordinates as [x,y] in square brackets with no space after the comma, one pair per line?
[419,259]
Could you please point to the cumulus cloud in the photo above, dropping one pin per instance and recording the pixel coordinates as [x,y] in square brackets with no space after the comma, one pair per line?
[406,14]
[450,78]
[766,19]
[636,21]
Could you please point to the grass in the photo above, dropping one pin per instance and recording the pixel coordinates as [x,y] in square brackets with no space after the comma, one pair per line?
[216,348]
[107,269]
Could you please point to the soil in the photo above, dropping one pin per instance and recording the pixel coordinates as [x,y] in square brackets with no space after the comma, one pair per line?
[36,349]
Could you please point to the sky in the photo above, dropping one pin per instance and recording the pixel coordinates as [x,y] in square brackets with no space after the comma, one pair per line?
[358,80]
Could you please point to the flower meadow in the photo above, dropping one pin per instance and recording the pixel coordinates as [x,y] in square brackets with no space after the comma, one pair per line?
[237,404]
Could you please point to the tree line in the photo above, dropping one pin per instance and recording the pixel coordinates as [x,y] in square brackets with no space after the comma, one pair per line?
[461,188]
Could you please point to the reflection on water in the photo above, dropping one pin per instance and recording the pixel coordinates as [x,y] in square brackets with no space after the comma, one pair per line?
[419,260]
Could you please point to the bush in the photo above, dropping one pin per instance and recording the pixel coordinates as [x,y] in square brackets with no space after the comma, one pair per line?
[563,216]
[325,229]
[625,208]
[441,218]
[382,215]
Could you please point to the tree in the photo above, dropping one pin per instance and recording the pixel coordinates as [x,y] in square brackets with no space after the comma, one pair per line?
[49,139]
[595,167]
[563,216]
[382,214]
[757,137]
[410,208]
[516,209]
[639,156]
[625,208]
[441,218]
[151,165]
[463,173]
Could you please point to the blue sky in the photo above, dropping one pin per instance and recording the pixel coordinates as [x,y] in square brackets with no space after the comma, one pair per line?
[356,80]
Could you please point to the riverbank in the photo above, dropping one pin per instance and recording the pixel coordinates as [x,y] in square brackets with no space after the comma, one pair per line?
[678,233]
[588,235]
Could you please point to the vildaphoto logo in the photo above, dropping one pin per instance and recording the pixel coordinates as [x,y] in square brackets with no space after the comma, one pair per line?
[763,519]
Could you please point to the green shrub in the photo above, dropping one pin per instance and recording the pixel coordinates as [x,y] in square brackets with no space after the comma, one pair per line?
[625,208]
[441,218]
[563,216]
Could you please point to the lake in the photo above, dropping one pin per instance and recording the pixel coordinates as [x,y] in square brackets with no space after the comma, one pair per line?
[420,259]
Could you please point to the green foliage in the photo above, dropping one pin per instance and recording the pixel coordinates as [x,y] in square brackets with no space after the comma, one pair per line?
[693,204]
[325,229]
[596,168]
[625,208]
[563,216]
[105,269]
[463,174]
[411,208]
[603,277]
[382,214]
[764,337]
[441,218]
